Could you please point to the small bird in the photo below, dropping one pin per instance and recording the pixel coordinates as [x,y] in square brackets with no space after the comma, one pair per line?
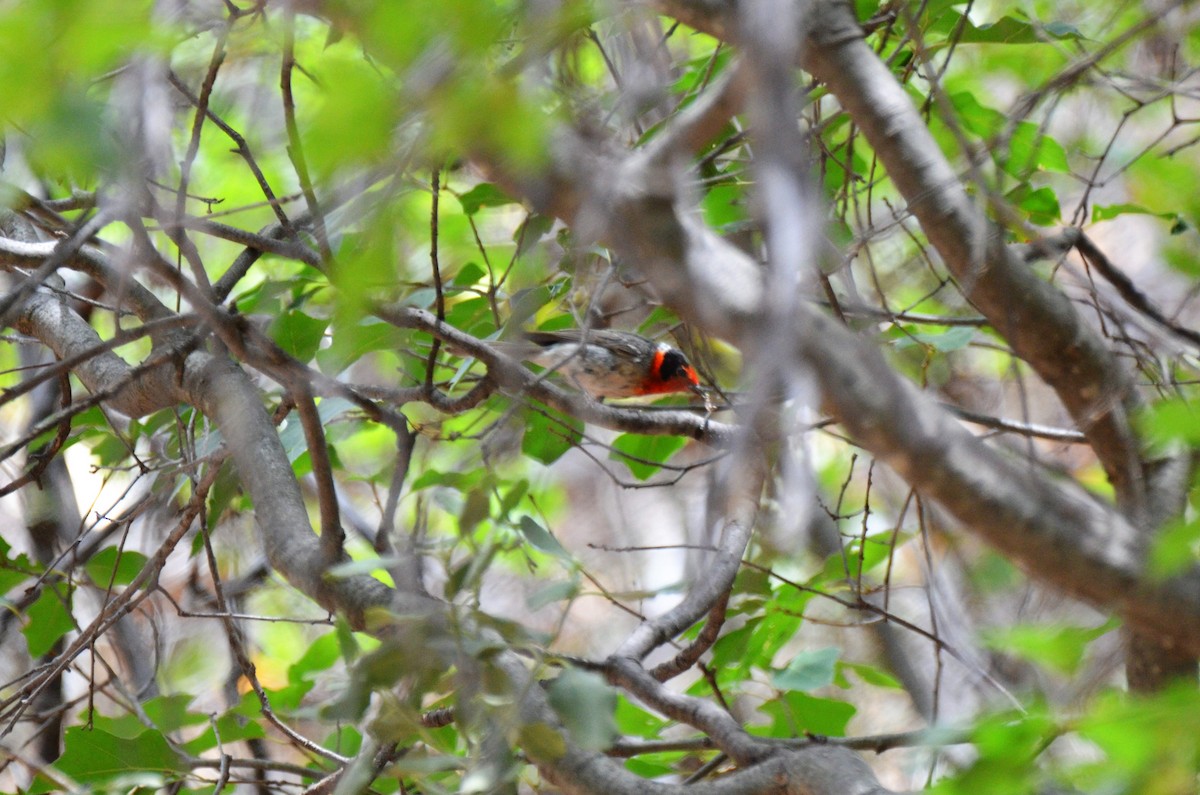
[607,364]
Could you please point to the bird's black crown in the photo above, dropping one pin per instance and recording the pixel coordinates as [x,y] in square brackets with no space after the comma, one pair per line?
[674,364]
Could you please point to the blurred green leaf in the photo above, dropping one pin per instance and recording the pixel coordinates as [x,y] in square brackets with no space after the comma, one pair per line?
[553,592]
[1175,547]
[542,741]
[540,538]
[808,670]
[645,454]
[485,194]
[951,339]
[1007,745]
[1059,648]
[1150,742]
[229,728]
[873,675]
[1106,212]
[349,342]
[586,705]
[1171,419]
[634,721]
[353,121]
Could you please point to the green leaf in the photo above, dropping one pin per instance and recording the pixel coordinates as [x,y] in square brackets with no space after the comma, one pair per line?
[1041,205]
[1175,548]
[1109,211]
[796,713]
[730,650]
[485,194]
[95,755]
[542,741]
[540,538]
[1006,30]
[49,620]
[952,339]
[469,275]
[230,727]
[635,721]
[222,494]
[1171,420]
[513,497]
[873,676]
[531,231]
[808,670]
[1007,745]
[351,341]
[645,455]
[1149,742]
[977,118]
[554,592]
[170,713]
[167,713]
[13,571]
[587,707]
[548,437]
[104,567]
[1059,648]
[723,206]
[353,123]
[298,334]
[770,636]
[460,481]
[1030,148]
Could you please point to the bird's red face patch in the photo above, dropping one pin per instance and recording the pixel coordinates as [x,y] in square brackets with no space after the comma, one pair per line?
[669,372]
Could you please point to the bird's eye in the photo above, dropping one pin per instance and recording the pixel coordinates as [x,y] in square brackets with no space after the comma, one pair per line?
[674,364]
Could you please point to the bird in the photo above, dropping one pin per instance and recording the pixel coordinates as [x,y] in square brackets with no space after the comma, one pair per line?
[606,363]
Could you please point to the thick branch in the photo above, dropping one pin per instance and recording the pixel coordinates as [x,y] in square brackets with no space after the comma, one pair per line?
[1039,321]
[1058,532]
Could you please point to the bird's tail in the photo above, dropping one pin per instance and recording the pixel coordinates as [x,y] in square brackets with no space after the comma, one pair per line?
[520,349]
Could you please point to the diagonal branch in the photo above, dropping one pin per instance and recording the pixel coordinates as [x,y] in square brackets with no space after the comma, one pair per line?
[1056,530]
